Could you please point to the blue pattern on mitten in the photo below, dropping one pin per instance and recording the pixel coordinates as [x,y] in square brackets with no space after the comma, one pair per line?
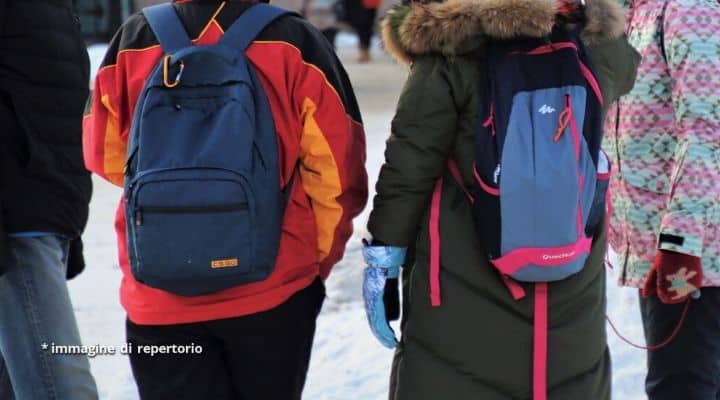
[383,262]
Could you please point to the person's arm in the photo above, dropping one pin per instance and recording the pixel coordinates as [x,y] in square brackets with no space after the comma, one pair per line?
[614,59]
[693,57]
[423,133]
[104,132]
[616,63]
[332,152]
[693,60]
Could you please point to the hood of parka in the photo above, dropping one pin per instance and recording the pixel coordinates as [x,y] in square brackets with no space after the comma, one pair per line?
[457,27]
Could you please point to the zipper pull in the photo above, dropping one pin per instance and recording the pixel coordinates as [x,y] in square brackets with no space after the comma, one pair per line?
[138,217]
[563,119]
[490,122]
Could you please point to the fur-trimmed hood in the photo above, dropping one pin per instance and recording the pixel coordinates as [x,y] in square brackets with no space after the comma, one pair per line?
[457,26]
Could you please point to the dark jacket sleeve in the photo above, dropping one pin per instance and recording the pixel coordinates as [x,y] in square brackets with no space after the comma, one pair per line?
[3,3]
[616,63]
[423,133]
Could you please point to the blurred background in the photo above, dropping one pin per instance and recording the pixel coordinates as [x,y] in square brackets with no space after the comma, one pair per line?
[101,18]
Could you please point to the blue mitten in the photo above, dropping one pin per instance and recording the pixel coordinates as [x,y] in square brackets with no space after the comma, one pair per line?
[383,263]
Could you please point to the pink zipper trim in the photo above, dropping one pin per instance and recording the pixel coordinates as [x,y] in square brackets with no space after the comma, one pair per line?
[540,335]
[576,144]
[435,244]
[587,73]
[549,48]
[490,121]
[593,83]
[434,230]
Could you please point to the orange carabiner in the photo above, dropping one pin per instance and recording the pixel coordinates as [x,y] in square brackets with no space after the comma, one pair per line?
[166,67]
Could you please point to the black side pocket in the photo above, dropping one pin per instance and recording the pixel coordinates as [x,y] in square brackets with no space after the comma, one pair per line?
[599,200]
[486,211]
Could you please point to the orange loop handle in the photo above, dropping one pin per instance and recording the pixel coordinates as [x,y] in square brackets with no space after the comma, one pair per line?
[657,346]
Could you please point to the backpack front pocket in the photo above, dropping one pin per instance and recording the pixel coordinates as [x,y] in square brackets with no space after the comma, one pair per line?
[182,240]
[546,187]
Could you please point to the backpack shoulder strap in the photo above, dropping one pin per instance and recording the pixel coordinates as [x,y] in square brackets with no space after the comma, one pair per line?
[167,26]
[249,25]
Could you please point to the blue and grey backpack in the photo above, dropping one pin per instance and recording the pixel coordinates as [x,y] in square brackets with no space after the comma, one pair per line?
[204,205]
[541,176]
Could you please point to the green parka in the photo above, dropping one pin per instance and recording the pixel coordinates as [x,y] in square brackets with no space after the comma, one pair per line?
[478,344]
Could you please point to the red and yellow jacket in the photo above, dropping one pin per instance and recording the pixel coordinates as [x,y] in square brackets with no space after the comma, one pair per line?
[319,132]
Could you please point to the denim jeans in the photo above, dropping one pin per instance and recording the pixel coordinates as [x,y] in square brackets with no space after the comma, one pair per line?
[35,310]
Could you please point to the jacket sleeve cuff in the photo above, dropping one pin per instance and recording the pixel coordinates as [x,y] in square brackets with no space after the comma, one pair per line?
[388,257]
[682,233]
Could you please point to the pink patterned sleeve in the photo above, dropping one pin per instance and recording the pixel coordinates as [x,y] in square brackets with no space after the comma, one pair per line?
[692,46]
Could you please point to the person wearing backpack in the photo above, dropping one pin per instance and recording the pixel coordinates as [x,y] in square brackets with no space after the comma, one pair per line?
[45,193]
[480,322]
[241,153]
[664,137]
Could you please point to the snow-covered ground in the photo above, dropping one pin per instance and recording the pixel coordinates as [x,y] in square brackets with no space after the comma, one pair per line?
[347,363]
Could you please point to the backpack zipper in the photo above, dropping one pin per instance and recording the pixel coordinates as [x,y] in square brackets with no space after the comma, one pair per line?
[139,211]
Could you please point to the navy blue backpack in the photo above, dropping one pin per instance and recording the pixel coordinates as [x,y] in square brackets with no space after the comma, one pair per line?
[204,205]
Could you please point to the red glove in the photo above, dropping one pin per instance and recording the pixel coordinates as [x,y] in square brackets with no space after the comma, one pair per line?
[673,277]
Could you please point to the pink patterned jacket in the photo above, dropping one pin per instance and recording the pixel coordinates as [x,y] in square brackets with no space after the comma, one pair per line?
[664,140]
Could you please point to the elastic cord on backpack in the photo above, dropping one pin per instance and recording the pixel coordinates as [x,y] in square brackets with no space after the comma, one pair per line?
[660,345]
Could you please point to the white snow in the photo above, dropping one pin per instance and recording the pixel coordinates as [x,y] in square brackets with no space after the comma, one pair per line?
[96,53]
[347,363]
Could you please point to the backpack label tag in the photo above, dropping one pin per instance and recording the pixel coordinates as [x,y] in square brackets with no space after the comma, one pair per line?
[225,263]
